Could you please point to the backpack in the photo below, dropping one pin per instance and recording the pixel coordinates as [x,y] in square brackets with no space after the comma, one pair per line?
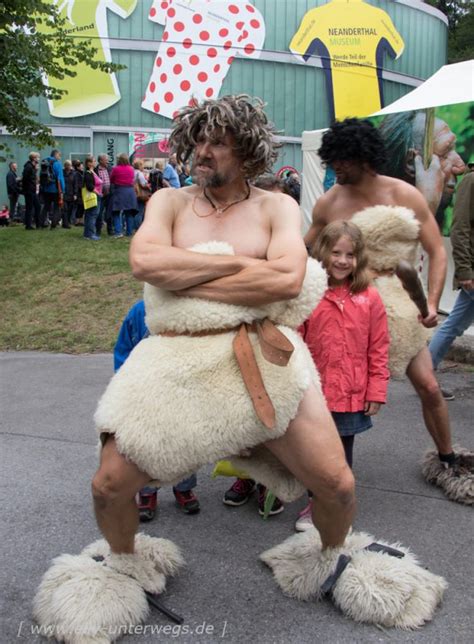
[47,175]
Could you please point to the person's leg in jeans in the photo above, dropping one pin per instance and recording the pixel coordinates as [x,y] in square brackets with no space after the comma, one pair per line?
[100,218]
[90,218]
[460,318]
[108,215]
[65,215]
[118,223]
[71,212]
[130,221]
[138,219]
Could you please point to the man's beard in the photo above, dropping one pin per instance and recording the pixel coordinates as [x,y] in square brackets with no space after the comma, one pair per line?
[214,180]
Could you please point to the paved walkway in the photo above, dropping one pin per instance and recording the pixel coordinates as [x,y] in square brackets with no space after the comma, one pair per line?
[225,593]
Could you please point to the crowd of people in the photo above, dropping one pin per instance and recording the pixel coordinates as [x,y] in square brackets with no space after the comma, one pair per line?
[93,194]
[88,193]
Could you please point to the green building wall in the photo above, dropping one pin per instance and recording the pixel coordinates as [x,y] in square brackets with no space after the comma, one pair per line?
[295,93]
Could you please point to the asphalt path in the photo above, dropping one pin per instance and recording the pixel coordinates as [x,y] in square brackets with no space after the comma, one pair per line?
[225,593]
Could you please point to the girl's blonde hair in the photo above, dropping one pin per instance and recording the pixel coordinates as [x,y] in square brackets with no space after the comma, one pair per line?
[328,238]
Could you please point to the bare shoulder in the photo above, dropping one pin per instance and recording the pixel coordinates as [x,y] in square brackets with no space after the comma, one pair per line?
[276,205]
[404,194]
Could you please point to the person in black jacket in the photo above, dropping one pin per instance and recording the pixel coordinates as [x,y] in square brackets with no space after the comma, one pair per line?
[13,188]
[30,190]
[72,187]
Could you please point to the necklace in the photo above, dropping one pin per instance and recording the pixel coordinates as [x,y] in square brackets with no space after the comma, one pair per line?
[219,210]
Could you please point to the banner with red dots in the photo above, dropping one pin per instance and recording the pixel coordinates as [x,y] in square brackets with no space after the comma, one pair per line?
[200,40]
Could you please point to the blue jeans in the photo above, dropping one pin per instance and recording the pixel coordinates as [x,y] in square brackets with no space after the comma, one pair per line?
[183,486]
[460,318]
[129,221]
[90,219]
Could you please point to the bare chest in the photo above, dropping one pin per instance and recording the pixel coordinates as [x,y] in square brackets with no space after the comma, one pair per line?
[244,227]
[347,204]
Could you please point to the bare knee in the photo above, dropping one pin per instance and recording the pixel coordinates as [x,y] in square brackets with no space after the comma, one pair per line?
[106,488]
[337,489]
[429,390]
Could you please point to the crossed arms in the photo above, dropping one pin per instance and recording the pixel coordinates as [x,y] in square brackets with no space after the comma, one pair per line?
[231,279]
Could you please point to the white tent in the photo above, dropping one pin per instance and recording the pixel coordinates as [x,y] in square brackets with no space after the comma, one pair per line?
[449,85]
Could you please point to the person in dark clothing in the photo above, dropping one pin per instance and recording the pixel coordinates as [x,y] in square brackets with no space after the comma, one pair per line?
[79,169]
[156,178]
[102,170]
[30,191]
[71,183]
[13,188]
[52,191]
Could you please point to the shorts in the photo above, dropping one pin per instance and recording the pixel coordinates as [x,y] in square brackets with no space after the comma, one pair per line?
[349,423]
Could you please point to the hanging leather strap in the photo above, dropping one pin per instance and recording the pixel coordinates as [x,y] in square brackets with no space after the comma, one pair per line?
[276,349]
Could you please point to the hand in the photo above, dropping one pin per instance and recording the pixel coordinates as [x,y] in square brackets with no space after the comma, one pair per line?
[429,182]
[468,285]
[431,320]
[371,408]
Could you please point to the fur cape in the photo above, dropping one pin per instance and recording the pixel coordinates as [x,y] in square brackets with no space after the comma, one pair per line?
[179,402]
[391,233]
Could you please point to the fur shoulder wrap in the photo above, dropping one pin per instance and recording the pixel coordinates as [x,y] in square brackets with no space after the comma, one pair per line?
[167,312]
[390,234]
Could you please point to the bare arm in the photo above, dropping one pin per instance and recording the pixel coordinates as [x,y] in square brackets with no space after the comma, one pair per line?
[432,243]
[279,277]
[318,223]
[154,260]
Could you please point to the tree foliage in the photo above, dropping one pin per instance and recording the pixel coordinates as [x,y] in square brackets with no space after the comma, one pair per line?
[461,28]
[27,56]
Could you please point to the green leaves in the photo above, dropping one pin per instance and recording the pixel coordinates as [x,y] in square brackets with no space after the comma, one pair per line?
[27,54]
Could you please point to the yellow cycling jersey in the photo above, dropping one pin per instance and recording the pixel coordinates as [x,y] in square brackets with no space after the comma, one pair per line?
[351,37]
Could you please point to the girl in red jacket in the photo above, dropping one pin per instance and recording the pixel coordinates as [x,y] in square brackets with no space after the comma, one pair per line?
[347,335]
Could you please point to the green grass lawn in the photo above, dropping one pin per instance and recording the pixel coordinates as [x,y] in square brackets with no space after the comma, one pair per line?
[62,293]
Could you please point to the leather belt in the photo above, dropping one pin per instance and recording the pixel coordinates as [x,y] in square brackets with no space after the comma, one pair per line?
[276,349]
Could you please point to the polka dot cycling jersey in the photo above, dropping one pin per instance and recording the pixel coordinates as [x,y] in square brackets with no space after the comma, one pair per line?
[200,40]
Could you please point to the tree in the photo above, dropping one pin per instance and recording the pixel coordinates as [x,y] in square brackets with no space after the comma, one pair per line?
[460,14]
[27,55]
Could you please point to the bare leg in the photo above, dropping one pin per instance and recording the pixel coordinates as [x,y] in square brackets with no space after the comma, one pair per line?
[435,410]
[312,450]
[113,489]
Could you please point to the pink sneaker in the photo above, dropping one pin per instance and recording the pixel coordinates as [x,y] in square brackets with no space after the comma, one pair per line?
[304,521]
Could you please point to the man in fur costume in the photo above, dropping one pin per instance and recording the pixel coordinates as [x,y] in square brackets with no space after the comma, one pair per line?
[224,371]
[394,216]
[232,143]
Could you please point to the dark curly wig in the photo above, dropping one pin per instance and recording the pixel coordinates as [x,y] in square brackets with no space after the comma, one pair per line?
[354,140]
[242,117]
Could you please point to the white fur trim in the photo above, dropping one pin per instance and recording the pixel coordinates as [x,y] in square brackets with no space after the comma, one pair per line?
[457,486]
[374,588]
[390,233]
[407,335]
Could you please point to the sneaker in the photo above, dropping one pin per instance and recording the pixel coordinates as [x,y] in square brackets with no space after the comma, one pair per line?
[447,395]
[304,521]
[147,501]
[277,506]
[240,492]
[119,236]
[187,501]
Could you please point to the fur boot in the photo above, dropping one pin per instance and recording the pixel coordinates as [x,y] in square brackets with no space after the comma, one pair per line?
[82,600]
[456,482]
[375,587]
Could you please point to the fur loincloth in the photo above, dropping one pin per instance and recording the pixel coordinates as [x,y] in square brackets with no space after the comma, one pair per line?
[391,233]
[179,403]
